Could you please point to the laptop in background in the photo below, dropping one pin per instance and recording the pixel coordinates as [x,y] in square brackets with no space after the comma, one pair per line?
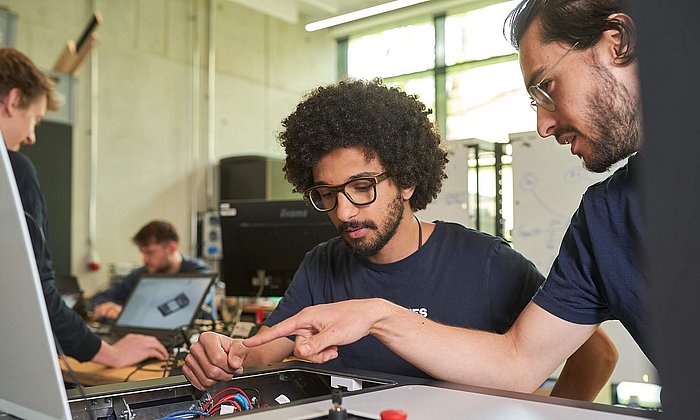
[161,304]
[32,385]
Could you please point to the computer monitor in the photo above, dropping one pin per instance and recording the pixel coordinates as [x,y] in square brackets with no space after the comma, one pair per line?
[265,241]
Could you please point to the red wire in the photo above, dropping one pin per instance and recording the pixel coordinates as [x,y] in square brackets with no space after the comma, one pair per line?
[213,403]
[225,400]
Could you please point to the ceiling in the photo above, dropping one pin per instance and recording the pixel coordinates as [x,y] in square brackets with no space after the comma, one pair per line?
[306,11]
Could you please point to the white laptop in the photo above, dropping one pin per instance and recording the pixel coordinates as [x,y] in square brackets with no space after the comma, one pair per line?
[31,384]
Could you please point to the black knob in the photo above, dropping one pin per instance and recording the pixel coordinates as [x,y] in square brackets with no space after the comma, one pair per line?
[337,412]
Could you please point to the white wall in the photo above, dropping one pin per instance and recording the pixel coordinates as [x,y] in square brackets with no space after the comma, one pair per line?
[149,162]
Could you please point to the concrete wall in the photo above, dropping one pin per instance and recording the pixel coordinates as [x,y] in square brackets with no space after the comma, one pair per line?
[153,153]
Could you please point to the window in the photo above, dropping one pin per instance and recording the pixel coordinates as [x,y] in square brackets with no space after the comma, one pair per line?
[487,102]
[477,34]
[392,52]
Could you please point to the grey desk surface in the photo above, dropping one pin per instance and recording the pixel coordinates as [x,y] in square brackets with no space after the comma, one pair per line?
[427,402]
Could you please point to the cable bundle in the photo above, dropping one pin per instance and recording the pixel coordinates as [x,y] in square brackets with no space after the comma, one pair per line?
[230,396]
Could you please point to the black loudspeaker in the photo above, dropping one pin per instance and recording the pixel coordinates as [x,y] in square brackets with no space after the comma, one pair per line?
[253,178]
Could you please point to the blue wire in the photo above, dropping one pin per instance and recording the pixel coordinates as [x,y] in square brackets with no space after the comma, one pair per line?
[173,416]
[242,400]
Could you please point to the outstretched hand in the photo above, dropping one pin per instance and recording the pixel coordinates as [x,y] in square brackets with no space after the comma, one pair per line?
[321,329]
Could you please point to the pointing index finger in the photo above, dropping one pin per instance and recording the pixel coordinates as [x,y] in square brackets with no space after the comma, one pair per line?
[283,329]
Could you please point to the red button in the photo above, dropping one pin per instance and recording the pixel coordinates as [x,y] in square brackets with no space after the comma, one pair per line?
[393,415]
[259,316]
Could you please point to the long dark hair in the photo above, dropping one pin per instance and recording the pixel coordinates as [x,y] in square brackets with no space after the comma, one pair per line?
[571,21]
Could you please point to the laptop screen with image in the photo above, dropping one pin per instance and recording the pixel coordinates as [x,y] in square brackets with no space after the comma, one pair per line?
[165,301]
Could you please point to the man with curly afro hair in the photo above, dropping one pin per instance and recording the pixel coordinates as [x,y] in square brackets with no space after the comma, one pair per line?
[385,122]
[356,121]
[367,155]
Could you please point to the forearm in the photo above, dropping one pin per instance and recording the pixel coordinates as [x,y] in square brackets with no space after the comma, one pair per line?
[110,355]
[106,355]
[453,354]
[72,334]
[512,361]
[259,356]
[519,360]
[272,352]
[588,369]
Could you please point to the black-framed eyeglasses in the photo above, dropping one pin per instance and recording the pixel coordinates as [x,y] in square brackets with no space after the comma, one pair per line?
[538,92]
[360,192]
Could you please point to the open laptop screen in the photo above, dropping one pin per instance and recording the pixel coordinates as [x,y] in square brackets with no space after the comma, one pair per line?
[165,302]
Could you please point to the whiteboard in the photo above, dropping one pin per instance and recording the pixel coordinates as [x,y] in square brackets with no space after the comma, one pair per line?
[548,182]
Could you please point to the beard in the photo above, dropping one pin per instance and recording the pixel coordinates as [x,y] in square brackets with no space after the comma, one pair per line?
[615,117]
[366,247]
[615,128]
[161,269]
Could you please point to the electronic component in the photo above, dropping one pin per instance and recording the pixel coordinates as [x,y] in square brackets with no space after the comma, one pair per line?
[249,392]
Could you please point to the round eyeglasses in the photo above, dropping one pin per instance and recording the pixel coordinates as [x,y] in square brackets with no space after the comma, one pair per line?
[360,191]
[538,92]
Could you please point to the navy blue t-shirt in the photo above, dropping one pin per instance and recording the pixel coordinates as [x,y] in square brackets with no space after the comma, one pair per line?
[597,275]
[459,277]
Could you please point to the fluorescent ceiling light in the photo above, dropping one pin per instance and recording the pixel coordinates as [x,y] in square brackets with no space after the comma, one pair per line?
[361,14]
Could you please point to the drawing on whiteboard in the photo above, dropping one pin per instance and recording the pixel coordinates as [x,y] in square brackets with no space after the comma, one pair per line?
[529,185]
[578,174]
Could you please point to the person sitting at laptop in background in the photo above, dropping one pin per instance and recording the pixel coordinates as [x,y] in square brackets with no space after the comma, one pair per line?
[158,243]
[25,95]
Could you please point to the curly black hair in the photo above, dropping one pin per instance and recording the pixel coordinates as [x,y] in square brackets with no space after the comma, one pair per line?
[383,121]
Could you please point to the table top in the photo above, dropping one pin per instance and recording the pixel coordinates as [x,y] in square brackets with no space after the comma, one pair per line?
[90,373]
